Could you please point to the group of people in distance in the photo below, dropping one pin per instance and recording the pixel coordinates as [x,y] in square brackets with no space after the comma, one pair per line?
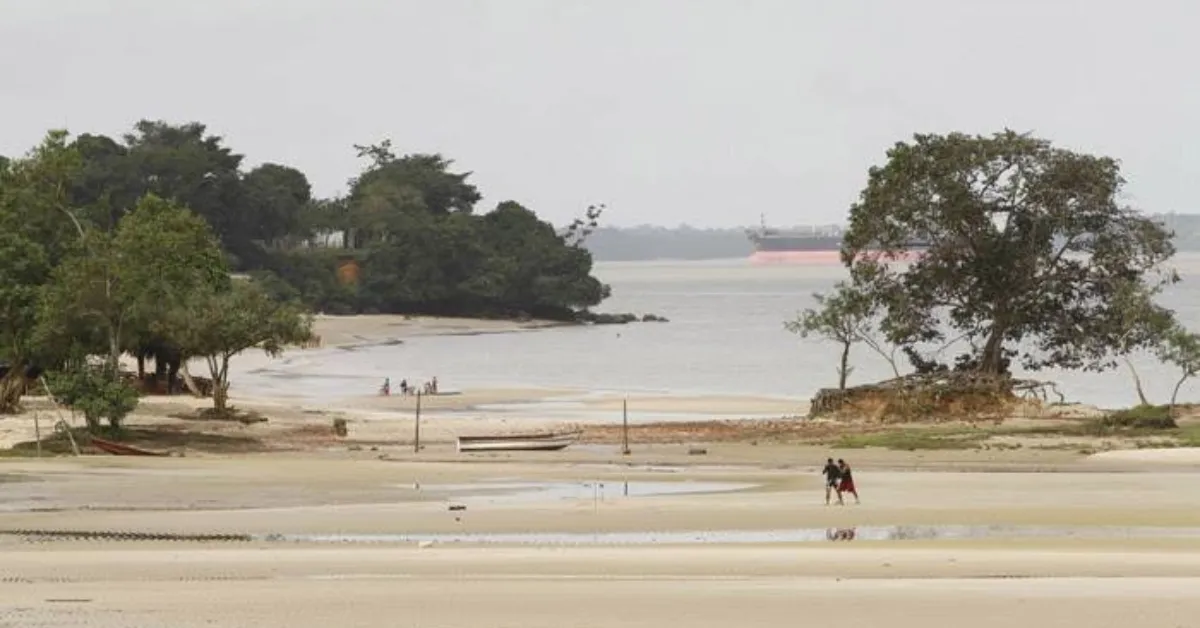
[430,387]
[838,479]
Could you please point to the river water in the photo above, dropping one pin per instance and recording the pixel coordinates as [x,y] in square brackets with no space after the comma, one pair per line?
[725,337]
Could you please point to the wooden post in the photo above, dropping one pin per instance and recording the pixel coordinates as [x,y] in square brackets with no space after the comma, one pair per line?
[417,426]
[625,426]
[37,432]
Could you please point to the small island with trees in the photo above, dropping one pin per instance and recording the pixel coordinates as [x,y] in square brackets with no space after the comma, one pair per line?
[1033,260]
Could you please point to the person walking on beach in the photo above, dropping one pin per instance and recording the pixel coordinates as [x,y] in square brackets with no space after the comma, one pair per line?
[833,474]
[846,485]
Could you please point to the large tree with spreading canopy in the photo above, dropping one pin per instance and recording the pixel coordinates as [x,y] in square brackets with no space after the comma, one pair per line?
[1031,251]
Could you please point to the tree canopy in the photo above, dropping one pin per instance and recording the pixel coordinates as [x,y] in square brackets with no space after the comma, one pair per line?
[1030,251]
[408,222]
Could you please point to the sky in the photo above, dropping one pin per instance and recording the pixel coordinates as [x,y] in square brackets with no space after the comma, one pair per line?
[705,112]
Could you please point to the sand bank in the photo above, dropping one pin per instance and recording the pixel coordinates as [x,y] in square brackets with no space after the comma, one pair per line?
[344,331]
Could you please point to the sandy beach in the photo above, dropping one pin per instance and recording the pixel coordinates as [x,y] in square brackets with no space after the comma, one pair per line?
[704,523]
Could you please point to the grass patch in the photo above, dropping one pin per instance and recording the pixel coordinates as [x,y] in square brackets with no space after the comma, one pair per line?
[1189,436]
[911,440]
[1143,417]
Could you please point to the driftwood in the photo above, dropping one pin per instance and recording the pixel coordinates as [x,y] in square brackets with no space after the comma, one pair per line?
[932,396]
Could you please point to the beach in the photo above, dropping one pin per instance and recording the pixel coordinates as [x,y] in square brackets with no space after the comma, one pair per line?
[712,519]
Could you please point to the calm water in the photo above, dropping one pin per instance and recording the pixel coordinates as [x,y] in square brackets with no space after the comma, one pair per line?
[726,336]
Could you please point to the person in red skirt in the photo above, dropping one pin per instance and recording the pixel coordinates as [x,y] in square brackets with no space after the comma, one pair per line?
[846,484]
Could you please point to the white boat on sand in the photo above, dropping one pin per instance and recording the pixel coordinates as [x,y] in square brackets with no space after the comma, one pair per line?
[546,441]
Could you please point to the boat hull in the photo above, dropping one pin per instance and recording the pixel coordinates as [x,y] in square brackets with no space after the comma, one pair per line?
[819,257]
[517,442]
[120,449]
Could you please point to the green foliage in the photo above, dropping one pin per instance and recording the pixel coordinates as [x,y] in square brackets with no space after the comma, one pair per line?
[847,316]
[912,440]
[220,324]
[409,219]
[1140,417]
[37,230]
[1027,242]
[95,393]
[111,296]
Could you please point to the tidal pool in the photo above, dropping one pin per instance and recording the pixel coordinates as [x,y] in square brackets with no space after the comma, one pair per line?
[524,492]
[800,535]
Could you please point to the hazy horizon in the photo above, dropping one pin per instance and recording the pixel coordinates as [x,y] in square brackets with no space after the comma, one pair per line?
[702,112]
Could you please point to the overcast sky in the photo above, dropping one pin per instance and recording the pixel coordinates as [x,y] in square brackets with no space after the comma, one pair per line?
[700,111]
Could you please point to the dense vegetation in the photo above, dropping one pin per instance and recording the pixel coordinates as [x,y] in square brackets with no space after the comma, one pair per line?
[131,247]
[1032,258]
[407,222]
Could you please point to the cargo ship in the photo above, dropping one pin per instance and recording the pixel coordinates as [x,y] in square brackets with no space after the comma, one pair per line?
[807,244]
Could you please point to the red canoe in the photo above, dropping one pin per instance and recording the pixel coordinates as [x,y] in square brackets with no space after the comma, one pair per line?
[119,449]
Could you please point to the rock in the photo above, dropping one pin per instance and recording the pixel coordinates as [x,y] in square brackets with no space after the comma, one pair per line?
[654,318]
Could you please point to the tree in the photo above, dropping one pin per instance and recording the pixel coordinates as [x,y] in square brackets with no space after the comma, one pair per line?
[846,316]
[37,228]
[1026,242]
[394,191]
[111,297]
[186,165]
[279,196]
[107,184]
[220,324]
[1181,348]
[21,275]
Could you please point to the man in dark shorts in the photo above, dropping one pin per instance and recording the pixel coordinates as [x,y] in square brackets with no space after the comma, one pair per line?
[833,475]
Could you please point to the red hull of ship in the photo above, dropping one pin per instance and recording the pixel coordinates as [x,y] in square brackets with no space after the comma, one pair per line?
[814,257]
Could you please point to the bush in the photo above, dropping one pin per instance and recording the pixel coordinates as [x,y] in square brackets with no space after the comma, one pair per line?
[91,391]
[1143,417]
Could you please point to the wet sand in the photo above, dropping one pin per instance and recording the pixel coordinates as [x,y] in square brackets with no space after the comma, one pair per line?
[987,582]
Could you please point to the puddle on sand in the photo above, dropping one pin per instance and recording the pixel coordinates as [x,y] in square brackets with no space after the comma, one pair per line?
[802,535]
[523,492]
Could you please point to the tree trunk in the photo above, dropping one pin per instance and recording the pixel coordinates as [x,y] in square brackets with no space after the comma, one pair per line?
[993,352]
[12,386]
[1175,395]
[188,381]
[172,376]
[114,356]
[220,385]
[220,396]
[1137,382]
[844,369]
[891,360]
[141,363]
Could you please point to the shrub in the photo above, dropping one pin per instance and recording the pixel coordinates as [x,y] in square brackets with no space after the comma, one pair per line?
[91,391]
